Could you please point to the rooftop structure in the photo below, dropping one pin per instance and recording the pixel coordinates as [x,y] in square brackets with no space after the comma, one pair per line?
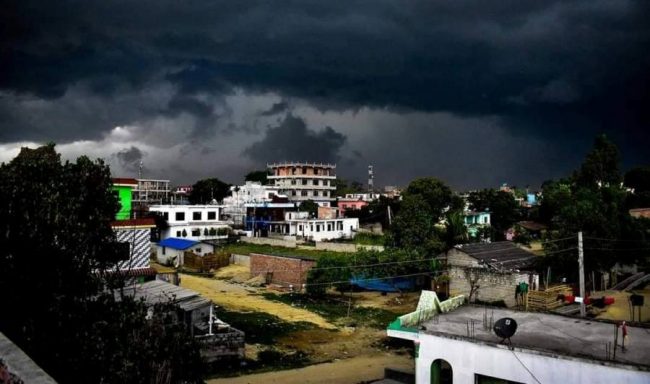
[195,222]
[304,181]
[500,255]
[151,191]
[544,348]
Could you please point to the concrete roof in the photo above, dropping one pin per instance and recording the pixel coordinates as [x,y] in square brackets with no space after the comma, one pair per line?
[557,335]
[18,363]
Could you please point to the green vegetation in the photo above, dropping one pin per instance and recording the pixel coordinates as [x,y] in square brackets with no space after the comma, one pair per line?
[247,248]
[258,176]
[65,309]
[335,309]
[593,201]
[369,239]
[504,210]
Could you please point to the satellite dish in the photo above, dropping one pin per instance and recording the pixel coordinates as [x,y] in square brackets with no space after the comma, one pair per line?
[505,328]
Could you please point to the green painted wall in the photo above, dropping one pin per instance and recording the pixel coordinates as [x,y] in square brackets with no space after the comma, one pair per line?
[124,194]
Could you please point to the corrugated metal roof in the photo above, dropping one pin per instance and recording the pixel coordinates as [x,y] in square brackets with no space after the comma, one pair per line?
[158,291]
[500,254]
[176,243]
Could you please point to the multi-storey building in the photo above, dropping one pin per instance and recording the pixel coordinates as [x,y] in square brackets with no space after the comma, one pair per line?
[150,191]
[305,181]
[192,222]
[250,195]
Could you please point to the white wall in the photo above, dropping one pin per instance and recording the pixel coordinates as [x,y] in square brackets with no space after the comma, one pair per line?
[468,358]
[319,230]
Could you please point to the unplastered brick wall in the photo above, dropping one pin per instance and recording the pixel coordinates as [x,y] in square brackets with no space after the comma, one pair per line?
[493,286]
[281,270]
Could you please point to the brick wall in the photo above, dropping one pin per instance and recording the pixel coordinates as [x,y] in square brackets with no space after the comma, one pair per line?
[226,344]
[281,270]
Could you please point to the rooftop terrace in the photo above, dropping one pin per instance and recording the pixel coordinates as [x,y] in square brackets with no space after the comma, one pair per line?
[557,335]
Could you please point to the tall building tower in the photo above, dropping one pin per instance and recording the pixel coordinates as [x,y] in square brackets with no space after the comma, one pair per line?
[305,181]
[371,179]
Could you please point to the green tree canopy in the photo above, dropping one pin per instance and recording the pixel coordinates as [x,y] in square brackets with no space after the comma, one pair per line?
[259,176]
[206,190]
[639,180]
[433,192]
[57,249]
[503,208]
[592,201]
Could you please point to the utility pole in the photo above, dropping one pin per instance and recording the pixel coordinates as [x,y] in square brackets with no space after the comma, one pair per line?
[581,272]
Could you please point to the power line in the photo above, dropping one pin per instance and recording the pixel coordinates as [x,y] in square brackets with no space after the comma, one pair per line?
[524,365]
[615,240]
[361,266]
[557,240]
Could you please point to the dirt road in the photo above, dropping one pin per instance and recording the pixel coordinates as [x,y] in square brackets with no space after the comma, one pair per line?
[347,371]
[240,298]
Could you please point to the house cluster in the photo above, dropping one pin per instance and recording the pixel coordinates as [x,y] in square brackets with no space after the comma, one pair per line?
[219,341]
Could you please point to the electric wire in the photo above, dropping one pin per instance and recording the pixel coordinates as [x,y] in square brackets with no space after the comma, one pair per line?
[524,365]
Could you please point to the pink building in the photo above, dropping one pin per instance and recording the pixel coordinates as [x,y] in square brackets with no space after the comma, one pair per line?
[345,205]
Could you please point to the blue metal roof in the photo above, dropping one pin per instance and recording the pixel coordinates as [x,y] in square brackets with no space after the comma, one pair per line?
[175,243]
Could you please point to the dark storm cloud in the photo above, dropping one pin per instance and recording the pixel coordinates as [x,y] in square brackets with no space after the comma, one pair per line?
[130,158]
[291,140]
[275,109]
[544,68]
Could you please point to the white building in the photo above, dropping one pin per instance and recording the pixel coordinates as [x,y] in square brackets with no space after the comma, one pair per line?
[251,194]
[305,181]
[459,346]
[298,224]
[192,222]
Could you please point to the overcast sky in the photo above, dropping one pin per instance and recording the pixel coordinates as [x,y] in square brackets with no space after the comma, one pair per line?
[475,93]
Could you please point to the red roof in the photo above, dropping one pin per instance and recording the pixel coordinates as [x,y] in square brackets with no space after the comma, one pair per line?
[124,181]
[144,222]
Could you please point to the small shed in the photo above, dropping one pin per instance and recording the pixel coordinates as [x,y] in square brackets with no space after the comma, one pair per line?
[171,250]
[489,272]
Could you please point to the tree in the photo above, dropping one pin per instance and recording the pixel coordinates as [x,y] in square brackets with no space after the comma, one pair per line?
[206,190]
[592,201]
[601,166]
[343,187]
[414,228]
[56,251]
[258,176]
[503,208]
[309,206]
[456,230]
[434,193]
[638,179]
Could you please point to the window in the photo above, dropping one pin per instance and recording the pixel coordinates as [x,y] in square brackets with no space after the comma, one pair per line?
[300,228]
[196,232]
[166,216]
[196,216]
[316,182]
[293,181]
[317,227]
[293,193]
[212,215]
[329,227]
[326,193]
[197,250]
[315,193]
[304,181]
[180,216]
[164,249]
[178,233]
[304,170]
[303,193]
[339,225]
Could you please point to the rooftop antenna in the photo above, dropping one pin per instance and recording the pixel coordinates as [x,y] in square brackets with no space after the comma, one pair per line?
[371,181]
[140,170]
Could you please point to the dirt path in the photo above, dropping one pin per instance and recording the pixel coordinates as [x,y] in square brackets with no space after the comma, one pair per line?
[240,298]
[347,371]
